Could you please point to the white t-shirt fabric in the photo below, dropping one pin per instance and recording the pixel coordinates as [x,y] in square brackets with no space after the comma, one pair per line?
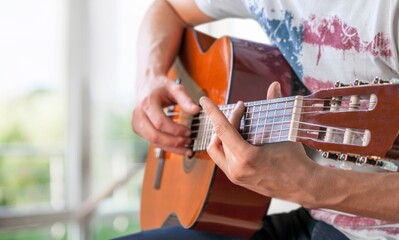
[325,42]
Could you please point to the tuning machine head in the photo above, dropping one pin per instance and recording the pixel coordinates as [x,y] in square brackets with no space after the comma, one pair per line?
[358,82]
[378,80]
[329,155]
[362,160]
[339,84]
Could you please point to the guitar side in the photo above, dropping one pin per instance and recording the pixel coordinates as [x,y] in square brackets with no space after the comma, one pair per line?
[194,192]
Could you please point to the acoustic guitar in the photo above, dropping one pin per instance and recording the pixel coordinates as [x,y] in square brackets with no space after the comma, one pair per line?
[357,123]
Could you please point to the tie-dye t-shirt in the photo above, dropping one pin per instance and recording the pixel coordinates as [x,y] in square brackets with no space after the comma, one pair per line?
[325,42]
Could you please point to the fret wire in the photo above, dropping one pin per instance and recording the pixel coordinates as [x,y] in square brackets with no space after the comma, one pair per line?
[257,123]
[205,131]
[302,113]
[265,123]
[172,114]
[272,126]
[201,142]
[248,111]
[246,116]
[201,132]
[265,102]
[284,115]
[284,136]
[257,103]
[299,129]
[285,109]
[305,129]
[251,118]
[252,114]
[290,114]
[210,132]
[195,133]
[204,142]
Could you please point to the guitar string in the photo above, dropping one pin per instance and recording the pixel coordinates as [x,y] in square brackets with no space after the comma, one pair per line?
[261,140]
[354,131]
[283,100]
[268,102]
[281,123]
[202,114]
[259,114]
[280,100]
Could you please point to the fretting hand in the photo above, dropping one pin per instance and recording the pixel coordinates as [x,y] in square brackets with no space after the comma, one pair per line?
[278,170]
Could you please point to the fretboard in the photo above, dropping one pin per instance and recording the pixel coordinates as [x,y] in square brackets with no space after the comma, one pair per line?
[266,121]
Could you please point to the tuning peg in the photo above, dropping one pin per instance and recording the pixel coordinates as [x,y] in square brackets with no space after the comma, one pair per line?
[361,160]
[329,155]
[378,80]
[340,84]
[358,82]
[342,157]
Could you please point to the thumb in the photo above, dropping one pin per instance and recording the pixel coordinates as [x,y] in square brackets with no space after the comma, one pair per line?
[274,91]
[181,96]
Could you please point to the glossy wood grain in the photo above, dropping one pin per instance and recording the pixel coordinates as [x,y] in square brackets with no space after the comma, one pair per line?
[382,121]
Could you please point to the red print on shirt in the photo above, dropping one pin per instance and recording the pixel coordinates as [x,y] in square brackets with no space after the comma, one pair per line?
[335,33]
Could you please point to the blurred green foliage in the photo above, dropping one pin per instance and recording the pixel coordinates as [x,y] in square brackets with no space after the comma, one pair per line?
[31,130]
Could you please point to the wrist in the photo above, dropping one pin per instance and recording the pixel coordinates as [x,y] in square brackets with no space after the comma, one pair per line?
[312,192]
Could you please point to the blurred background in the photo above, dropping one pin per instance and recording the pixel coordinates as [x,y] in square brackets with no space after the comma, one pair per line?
[70,167]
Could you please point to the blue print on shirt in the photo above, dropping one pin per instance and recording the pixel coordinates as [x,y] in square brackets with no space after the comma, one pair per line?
[283,34]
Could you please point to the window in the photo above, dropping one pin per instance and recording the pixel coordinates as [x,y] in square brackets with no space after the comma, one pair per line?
[66,95]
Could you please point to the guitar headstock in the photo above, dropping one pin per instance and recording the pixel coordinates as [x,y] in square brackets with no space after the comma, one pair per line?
[358,121]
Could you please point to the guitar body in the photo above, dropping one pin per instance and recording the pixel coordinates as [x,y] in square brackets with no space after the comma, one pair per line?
[194,192]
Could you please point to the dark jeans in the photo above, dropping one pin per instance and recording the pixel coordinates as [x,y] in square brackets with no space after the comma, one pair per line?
[295,225]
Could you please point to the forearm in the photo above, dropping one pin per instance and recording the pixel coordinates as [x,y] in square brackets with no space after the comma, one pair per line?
[160,35]
[158,41]
[374,195]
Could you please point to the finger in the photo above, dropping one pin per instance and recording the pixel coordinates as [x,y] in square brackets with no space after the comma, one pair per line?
[215,149]
[234,119]
[179,150]
[180,95]
[143,127]
[274,91]
[227,133]
[163,123]
[236,115]
[216,152]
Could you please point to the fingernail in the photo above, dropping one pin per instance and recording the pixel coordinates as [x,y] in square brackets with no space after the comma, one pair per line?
[277,89]
[190,104]
[202,100]
[188,153]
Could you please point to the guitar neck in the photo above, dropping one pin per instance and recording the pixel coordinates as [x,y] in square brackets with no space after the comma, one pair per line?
[265,121]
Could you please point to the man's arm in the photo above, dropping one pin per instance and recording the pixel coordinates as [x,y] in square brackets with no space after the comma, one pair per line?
[158,43]
[285,171]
